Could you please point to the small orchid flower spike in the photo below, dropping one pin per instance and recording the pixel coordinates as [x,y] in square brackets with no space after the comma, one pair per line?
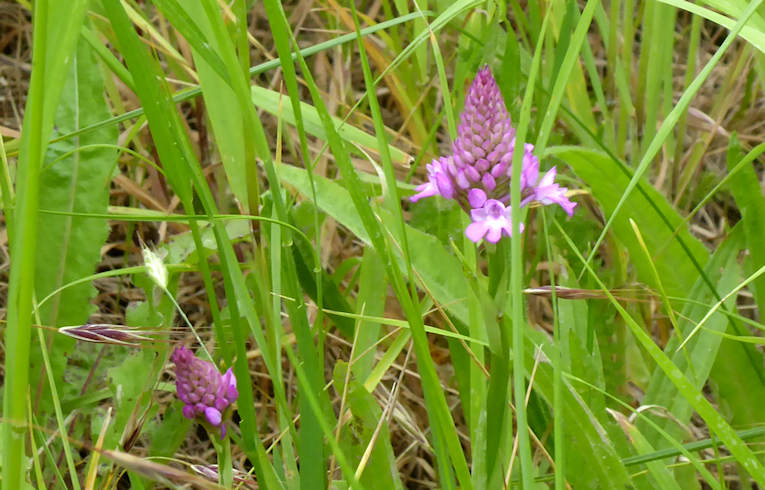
[202,388]
[477,173]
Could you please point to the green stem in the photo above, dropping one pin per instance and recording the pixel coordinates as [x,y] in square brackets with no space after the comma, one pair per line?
[23,251]
[223,450]
[558,421]
[75,481]
[517,305]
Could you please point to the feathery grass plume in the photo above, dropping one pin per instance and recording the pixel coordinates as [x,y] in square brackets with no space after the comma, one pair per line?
[203,389]
[161,473]
[156,268]
[106,333]
[477,173]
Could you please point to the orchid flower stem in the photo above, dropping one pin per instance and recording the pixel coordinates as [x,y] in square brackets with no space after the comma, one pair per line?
[188,323]
[223,451]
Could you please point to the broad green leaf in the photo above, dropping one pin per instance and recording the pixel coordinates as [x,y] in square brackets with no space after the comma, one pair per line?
[74,179]
[168,434]
[587,441]
[739,388]
[656,469]
[131,385]
[701,351]
[674,265]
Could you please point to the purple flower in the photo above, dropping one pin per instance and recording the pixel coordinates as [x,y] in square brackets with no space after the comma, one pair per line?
[548,192]
[439,181]
[477,173]
[491,219]
[202,389]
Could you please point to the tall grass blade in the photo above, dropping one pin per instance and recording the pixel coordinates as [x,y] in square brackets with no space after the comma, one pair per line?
[56,28]
[516,301]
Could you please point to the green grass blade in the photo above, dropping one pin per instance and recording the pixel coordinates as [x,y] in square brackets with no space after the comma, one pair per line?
[558,360]
[73,477]
[435,399]
[313,459]
[271,102]
[193,34]
[731,294]
[516,301]
[444,432]
[370,302]
[562,76]
[677,448]
[56,27]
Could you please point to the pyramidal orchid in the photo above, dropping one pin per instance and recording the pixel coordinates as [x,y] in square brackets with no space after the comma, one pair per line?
[205,392]
[477,173]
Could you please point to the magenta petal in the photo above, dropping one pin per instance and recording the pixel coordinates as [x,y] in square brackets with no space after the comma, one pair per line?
[548,192]
[472,174]
[490,221]
[232,394]
[221,404]
[529,172]
[478,214]
[476,198]
[462,180]
[444,185]
[424,190]
[494,234]
[489,182]
[549,178]
[568,207]
[476,231]
[189,412]
[499,169]
[213,415]
[229,380]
